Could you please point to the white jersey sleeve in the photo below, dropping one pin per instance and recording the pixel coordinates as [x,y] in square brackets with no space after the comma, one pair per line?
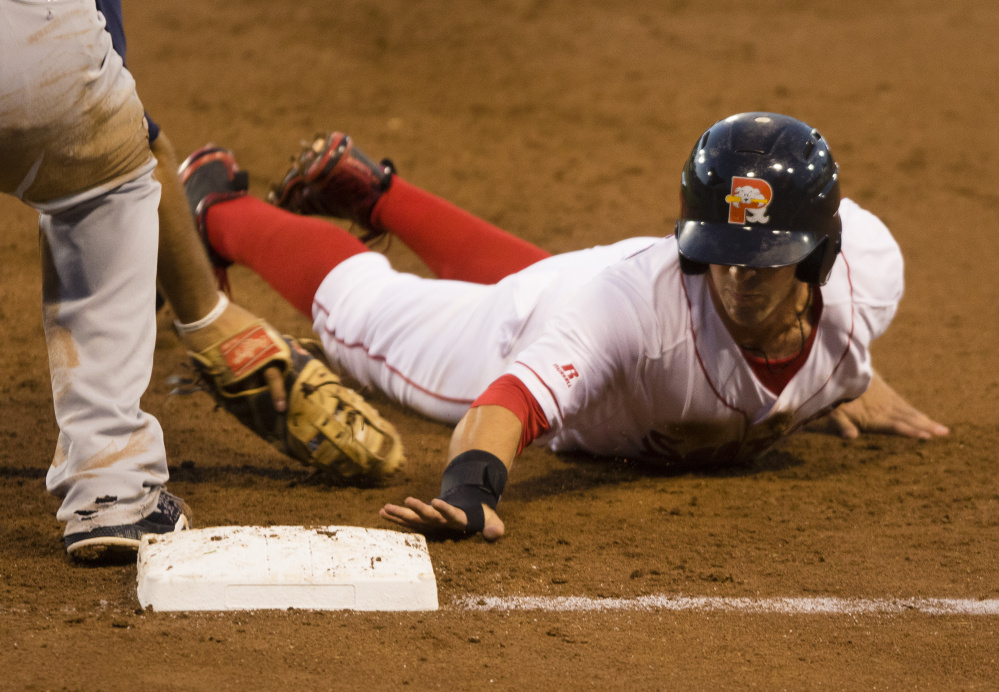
[875,266]
[592,342]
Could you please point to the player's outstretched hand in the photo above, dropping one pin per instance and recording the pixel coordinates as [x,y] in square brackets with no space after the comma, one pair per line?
[882,410]
[439,516]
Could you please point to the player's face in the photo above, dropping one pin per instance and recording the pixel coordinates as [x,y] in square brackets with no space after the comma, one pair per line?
[750,296]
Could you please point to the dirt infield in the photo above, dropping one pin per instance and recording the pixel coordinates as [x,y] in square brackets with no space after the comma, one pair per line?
[567,123]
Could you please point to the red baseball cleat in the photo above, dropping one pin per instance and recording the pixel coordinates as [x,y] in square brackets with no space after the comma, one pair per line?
[211,175]
[332,177]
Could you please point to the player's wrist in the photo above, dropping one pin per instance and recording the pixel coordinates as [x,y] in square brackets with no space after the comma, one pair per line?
[472,479]
[208,319]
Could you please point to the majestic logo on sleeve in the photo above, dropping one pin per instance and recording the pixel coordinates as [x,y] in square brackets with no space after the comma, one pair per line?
[749,200]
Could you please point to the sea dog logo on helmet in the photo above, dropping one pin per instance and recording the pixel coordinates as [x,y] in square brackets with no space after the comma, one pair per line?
[749,200]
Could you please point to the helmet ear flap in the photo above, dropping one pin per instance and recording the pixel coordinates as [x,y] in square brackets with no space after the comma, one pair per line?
[689,266]
[815,268]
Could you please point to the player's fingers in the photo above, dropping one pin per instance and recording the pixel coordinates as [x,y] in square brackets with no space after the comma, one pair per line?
[843,425]
[925,426]
[938,429]
[397,512]
[388,513]
[427,513]
[905,419]
[455,517]
[401,516]
[492,529]
[405,516]
[275,383]
[904,429]
[919,426]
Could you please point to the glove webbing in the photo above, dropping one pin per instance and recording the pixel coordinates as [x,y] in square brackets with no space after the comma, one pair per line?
[474,478]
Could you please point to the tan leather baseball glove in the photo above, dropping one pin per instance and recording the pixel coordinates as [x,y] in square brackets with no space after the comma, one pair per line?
[327,424]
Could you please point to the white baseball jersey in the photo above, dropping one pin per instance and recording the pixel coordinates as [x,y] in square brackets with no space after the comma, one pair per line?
[625,354]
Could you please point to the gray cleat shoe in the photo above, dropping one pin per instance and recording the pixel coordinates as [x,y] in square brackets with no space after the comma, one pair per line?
[100,542]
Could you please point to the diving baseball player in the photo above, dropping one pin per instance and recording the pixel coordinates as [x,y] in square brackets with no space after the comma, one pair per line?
[707,346]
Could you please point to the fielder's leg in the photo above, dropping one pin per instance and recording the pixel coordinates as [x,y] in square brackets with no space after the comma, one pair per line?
[99,264]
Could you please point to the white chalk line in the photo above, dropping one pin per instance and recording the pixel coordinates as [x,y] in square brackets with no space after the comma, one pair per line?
[777,606]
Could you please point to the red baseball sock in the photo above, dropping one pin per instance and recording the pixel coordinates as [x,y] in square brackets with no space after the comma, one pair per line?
[291,253]
[451,242]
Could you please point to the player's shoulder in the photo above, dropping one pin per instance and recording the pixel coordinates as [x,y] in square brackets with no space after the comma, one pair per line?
[863,231]
[648,269]
[872,258]
[648,285]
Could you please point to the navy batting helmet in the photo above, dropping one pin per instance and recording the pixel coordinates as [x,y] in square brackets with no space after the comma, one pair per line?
[760,190]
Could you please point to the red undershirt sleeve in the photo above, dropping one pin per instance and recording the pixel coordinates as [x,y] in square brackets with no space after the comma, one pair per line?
[510,393]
